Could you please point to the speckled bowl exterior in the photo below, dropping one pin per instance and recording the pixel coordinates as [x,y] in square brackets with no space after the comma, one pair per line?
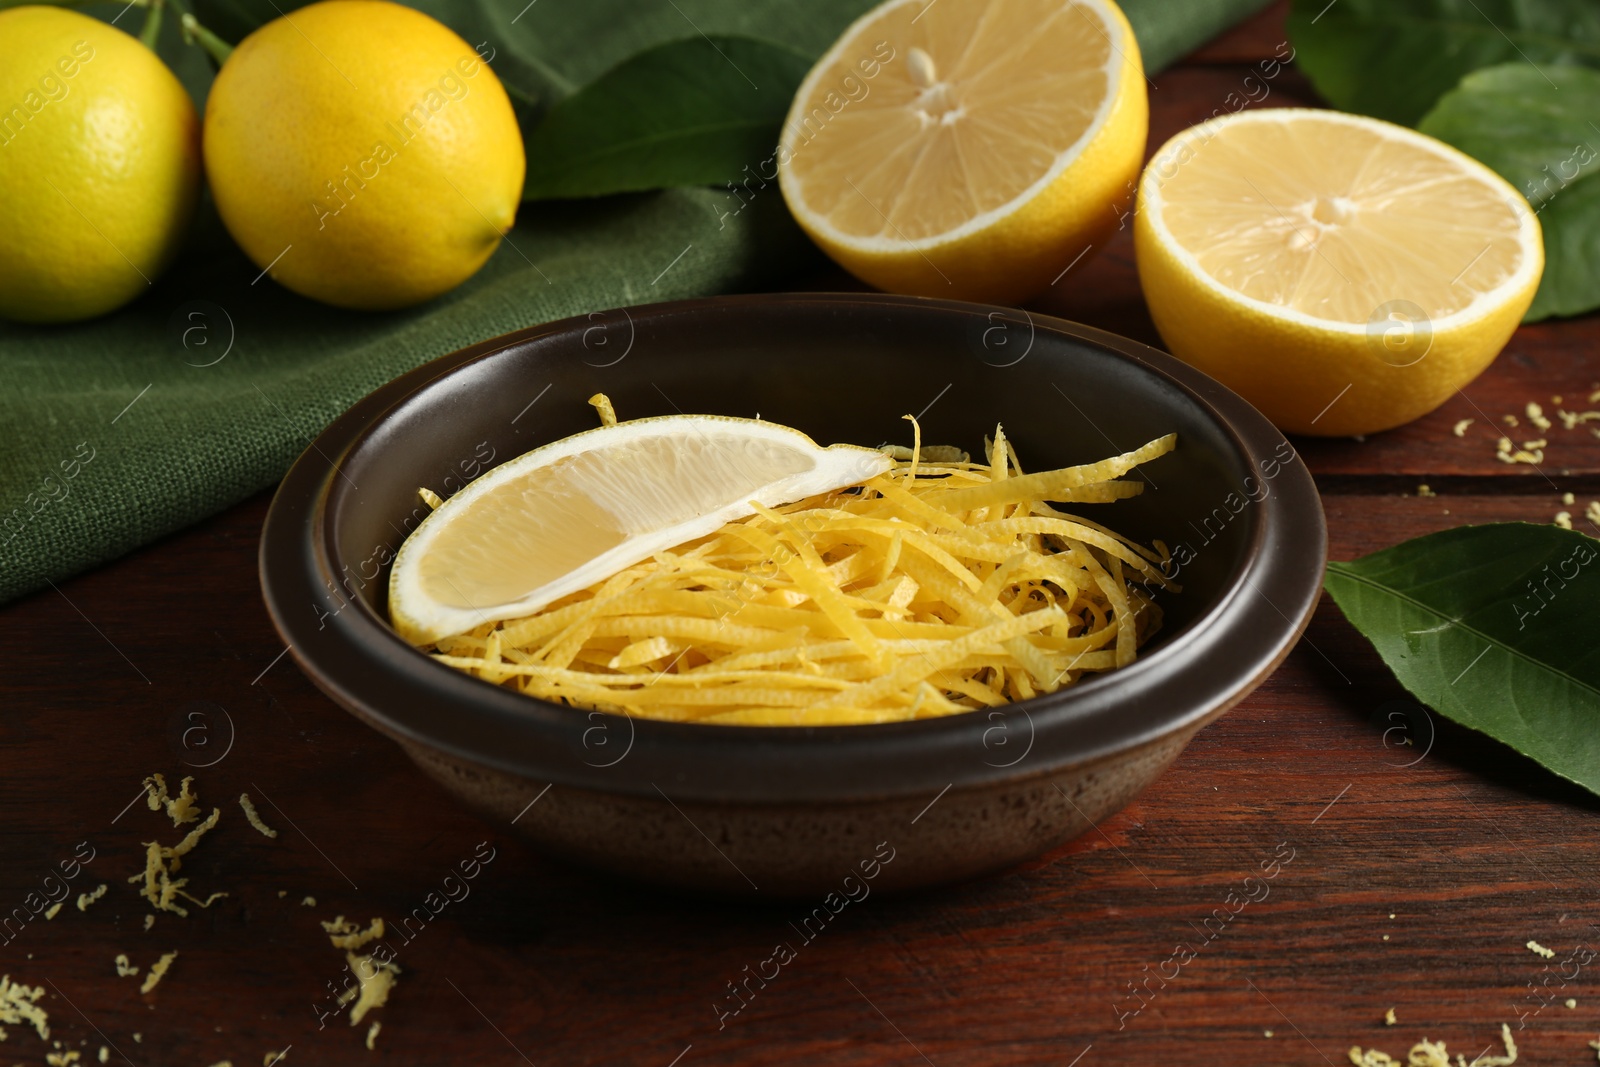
[795,811]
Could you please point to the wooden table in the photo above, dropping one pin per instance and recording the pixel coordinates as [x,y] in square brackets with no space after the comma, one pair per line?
[1418,871]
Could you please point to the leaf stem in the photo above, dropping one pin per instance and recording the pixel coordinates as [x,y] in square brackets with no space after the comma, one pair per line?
[151,32]
[194,33]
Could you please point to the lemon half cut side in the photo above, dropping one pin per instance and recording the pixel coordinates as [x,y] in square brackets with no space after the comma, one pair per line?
[968,149]
[564,516]
[1343,274]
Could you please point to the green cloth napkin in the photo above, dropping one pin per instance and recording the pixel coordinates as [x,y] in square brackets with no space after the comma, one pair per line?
[203,391]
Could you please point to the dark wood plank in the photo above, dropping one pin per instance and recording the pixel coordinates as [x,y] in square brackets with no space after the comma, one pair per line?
[1474,851]
[1260,35]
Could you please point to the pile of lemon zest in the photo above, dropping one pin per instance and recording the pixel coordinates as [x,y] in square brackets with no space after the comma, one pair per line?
[19,1005]
[939,587]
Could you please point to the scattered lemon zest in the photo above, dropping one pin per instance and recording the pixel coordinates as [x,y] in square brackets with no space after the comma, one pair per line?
[1539,950]
[19,1005]
[1563,519]
[1460,428]
[372,1033]
[160,888]
[1427,1053]
[183,808]
[1536,416]
[308,902]
[430,498]
[85,899]
[347,935]
[1389,1018]
[602,406]
[125,968]
[50,912]
[1424,490]
[158,970]
[376,977]
[254,817]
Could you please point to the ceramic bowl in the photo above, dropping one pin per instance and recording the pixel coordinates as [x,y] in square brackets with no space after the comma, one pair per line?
[792,811]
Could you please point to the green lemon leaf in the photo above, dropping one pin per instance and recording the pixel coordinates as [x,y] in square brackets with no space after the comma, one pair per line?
[624,133]
[1394,58]
[1493,627]
[547,50]
[699,110]
[1536,126]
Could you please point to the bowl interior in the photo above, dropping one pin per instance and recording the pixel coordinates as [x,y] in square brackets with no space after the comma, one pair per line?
[841,373]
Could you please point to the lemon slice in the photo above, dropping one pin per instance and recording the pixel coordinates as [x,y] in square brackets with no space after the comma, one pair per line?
[968,148]
[572,513]
[1343,274]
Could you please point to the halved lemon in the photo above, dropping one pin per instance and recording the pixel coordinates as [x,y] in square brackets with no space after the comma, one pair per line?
[1343,274]
[972,149]
[574,512]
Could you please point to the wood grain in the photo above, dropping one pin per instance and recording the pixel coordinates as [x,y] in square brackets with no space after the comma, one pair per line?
[1471,849]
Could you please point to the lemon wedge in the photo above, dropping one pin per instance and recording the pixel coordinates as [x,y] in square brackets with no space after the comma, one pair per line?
[1345,275]
[572,513]
[971,149]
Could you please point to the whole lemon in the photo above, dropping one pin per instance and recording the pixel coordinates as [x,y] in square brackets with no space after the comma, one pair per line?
[99,165]
[362,154]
